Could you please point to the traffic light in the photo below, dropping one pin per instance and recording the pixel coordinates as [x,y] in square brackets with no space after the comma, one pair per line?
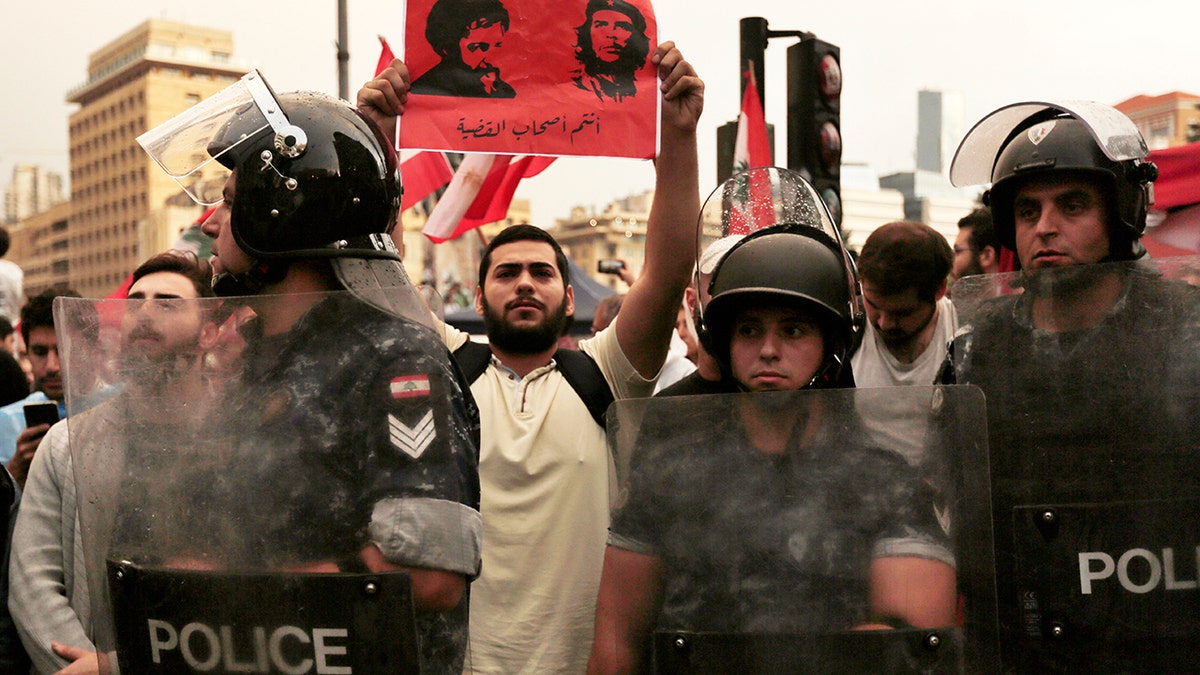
[814,118]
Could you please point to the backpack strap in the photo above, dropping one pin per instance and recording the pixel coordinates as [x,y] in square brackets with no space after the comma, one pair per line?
[577,368]
[586,378]
[473,358]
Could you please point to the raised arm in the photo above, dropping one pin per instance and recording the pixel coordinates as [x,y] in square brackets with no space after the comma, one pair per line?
[648,314]
[384,97]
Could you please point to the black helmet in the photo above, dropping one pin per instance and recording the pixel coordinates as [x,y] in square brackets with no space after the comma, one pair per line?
[333,179]
[796,256]
[315,179]
[1020,142]
[790,263]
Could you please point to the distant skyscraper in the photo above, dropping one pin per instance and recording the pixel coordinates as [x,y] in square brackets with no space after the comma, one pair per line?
[939,129]
[32,190]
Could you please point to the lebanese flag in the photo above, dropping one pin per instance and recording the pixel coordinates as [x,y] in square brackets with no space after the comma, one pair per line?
[751,149]
[423,173]
[479,193]
[1173,225]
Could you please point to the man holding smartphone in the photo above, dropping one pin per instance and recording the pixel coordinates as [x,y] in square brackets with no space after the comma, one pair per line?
[19,437]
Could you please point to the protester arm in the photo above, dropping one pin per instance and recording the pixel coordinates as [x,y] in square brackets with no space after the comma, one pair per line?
[626,608]
[38,571]
[383,98]
[648,314]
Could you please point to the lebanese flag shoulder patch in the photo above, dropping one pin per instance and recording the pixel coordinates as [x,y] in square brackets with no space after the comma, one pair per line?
[409,386]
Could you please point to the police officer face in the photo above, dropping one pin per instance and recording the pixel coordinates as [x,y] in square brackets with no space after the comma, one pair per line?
[227,255]
[1060,221]
[524,301]
[775,348]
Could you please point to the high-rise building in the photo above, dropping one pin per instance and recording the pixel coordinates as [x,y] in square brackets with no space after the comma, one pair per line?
[940,117]
[33,189]
[124,208]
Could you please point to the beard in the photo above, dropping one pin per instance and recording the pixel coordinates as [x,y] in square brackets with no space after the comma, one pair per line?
[1057,282]
[154,369]
[525,340]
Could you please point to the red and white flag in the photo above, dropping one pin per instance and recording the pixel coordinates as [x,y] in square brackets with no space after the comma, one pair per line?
[480,193]
[752,149]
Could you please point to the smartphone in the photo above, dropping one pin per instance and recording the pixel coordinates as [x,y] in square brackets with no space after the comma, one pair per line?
[41,413]
[609,266]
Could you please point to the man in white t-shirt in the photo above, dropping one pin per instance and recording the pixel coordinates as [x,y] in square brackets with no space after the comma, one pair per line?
[547,478]
[910,321]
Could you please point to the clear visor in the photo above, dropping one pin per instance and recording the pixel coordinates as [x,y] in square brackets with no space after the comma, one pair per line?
[181,145]
[1115,133]
[759,198]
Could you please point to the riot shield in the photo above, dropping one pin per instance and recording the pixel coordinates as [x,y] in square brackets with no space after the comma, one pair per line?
[1092,379]
[262,477]
[786,539]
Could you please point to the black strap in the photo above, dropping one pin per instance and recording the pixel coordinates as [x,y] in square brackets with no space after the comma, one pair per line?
[577,368]
[473,358]
[586,378]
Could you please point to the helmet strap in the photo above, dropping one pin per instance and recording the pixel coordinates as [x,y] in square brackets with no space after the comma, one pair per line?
[250,282]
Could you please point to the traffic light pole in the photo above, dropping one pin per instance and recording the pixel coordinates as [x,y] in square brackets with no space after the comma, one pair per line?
[813,103]
[754,36]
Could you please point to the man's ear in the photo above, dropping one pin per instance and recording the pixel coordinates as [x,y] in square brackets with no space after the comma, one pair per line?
[988,260]
[570,300]
[941,291]
[479,300]
[208,335]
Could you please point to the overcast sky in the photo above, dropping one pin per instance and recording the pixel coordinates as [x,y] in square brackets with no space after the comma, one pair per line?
[993,53]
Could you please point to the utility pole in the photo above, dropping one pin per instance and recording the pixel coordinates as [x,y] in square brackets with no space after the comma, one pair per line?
[343,52]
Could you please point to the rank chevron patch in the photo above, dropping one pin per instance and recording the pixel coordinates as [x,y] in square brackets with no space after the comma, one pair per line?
[412,440]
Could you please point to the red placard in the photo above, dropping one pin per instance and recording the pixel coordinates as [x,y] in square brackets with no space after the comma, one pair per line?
[543,77]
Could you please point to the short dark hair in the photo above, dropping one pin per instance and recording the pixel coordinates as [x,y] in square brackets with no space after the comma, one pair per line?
[983,231]
[6,328]
[448,21]
[524,232]
[39,310]
[5,241]
[903,255]
[183,263]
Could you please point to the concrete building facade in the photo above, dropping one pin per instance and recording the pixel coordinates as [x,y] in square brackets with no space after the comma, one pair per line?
[124,208]
[33,189]
[1166,120]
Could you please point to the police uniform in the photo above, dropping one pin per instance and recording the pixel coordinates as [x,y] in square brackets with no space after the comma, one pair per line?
[758,543]
[354,427]
[1090,416]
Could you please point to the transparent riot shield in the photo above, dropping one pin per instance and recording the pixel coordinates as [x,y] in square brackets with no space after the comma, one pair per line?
[781,537]
[1092,379]
[260,478]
